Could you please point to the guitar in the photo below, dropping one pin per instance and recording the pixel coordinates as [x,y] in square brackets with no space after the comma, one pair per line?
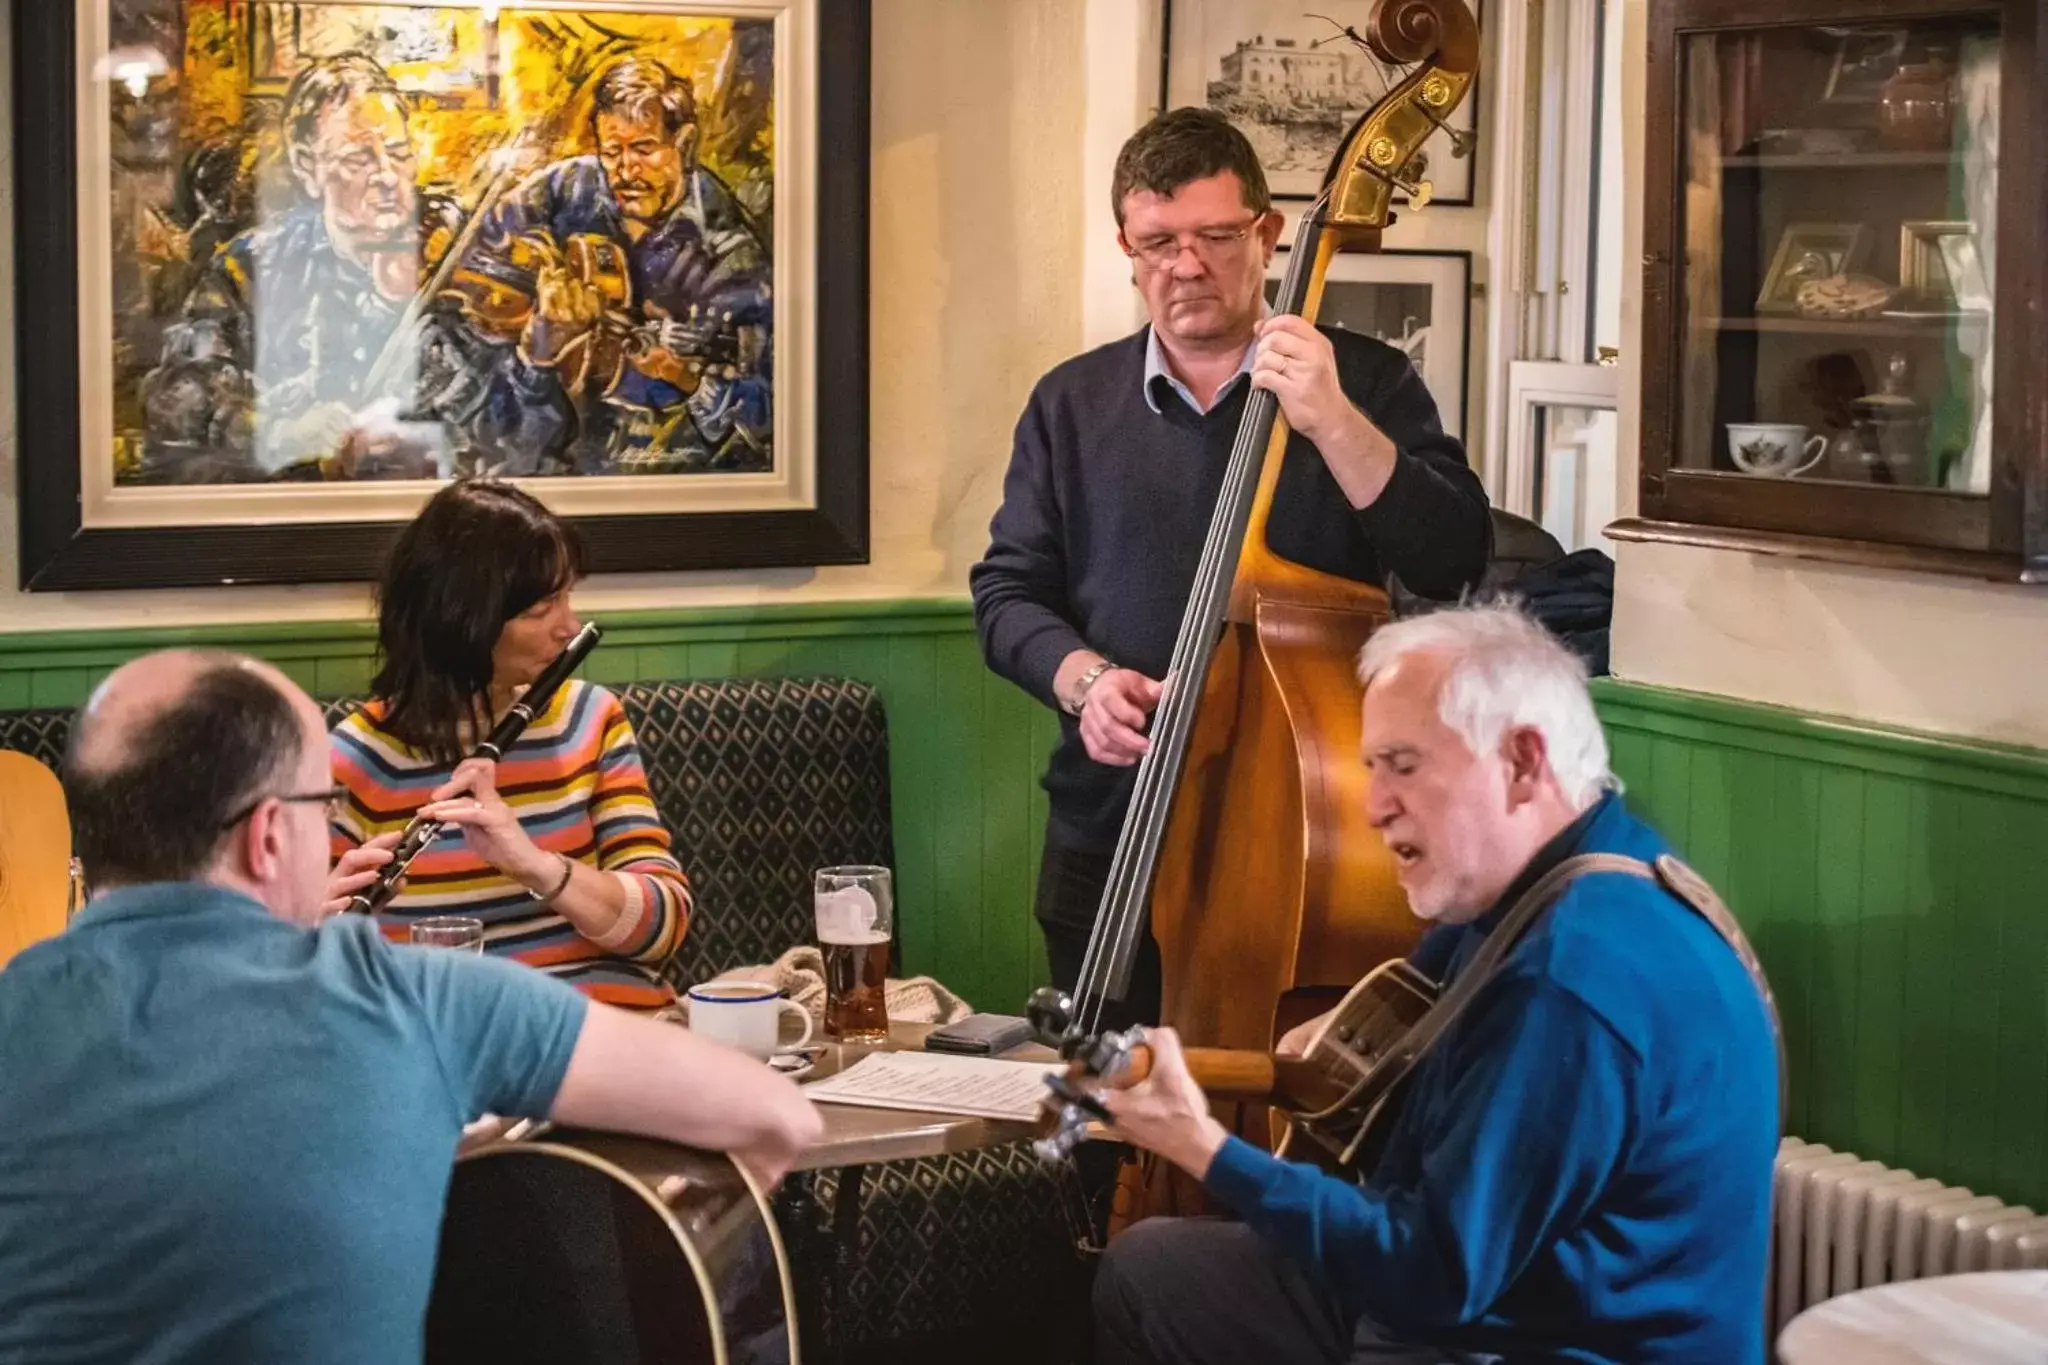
[1348,1079]
[567,1247]
[1332,1095]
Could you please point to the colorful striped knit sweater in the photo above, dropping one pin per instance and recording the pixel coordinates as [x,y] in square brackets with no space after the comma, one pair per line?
[576,781]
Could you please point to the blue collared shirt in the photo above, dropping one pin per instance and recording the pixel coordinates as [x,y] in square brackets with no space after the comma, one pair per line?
[1156,368]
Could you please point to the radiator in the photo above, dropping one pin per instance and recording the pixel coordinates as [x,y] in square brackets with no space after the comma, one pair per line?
[1840,1223]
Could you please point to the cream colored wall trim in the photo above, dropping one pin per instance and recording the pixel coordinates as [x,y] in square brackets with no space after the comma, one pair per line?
[1917,651]
[1121,50]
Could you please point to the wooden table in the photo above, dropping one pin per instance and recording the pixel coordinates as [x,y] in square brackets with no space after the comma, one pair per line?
[1997,1317]
[856,1137]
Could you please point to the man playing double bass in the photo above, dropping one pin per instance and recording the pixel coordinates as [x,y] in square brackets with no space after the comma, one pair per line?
[1118,461]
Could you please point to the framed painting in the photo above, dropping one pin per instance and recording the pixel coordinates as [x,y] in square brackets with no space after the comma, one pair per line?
[1418,302]
[1289,78]
[287,266]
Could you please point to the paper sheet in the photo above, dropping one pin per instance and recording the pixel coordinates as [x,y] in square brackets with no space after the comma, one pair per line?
[939,1083]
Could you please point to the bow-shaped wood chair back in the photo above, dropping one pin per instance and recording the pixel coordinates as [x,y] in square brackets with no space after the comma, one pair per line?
[35,853]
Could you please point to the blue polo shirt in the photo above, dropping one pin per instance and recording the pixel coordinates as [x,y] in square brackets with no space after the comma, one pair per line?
[1581,1168]
[225,1138]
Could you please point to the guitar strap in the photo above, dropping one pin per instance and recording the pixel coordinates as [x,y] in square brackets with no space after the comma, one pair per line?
[1677,879]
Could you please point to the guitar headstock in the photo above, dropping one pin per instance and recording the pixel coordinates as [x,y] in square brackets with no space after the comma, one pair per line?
[1093,1060]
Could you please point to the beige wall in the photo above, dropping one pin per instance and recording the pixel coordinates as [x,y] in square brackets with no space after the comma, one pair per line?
[976,251]
[1916,650]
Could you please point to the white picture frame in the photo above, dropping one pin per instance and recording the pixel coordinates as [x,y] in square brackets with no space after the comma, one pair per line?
[1417,301]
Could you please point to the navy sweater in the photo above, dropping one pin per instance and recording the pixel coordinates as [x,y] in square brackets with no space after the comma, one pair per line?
[1106,505]
[1581,1169]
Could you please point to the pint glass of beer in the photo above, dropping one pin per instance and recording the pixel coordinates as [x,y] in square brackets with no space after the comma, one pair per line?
[856,907]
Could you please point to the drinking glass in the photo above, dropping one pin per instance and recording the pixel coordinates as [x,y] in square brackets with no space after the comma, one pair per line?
[448,931]
[856,909]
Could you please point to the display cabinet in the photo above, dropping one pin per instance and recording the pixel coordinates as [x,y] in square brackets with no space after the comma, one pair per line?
[1843,273]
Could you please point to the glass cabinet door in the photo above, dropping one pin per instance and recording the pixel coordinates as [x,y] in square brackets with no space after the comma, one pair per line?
[1838,241]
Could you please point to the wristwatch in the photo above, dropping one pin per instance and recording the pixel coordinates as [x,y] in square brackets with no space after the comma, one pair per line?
[1079,696]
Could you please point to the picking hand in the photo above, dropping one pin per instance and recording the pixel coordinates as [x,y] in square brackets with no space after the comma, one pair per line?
[469,798]
[356,869]
[1114,714]
[1299,365]
[1294,1042]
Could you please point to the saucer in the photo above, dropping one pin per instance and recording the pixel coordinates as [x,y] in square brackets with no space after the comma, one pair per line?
[793,1063]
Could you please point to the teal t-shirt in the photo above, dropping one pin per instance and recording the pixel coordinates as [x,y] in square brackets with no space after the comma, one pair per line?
[225,1138]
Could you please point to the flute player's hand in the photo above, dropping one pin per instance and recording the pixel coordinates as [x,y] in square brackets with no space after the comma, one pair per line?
[469,798]
[356,869]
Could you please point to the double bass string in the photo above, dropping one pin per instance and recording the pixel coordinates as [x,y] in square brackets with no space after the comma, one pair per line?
[1131,870]
[1107,962]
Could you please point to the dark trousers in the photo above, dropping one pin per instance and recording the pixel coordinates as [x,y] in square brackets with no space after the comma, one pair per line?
[1070,883]
[1195,1291]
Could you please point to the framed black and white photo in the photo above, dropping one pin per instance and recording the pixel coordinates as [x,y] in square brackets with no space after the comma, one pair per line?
[1416,301]
[1286,75]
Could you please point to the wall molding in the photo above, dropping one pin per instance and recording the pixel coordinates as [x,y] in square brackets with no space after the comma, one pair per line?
[1922,756]
[35,650]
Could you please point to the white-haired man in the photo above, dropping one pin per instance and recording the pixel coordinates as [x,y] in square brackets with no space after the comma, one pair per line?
[1581,1167]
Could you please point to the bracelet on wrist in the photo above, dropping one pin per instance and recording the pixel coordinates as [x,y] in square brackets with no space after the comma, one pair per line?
[1079,696]
[568,871]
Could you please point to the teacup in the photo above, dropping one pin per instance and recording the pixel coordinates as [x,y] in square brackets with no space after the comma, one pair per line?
[1774,449]
[744,1014]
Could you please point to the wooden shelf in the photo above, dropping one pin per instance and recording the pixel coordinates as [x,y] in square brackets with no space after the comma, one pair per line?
[1862,553]
[1841,161]
[1852,327]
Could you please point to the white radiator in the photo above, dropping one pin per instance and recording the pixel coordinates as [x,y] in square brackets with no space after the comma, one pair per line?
[1840,1223]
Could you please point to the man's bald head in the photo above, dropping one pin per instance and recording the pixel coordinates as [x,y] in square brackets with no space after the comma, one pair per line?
[169,751]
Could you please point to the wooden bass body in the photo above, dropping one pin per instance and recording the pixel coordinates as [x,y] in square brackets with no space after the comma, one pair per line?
[1271,879]
[583,1248]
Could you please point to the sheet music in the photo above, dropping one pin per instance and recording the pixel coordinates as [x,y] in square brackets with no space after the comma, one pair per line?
[939,1083]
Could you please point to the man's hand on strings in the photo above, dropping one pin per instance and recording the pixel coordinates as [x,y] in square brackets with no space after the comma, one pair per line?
[1299,365]
[1167,1112]
[1114,715]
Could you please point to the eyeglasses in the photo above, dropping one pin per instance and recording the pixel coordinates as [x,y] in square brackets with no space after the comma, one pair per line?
[333,797]
[1211,244]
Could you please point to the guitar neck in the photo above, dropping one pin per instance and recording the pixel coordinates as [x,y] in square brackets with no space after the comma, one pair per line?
[1233,1074]
[1241,1074]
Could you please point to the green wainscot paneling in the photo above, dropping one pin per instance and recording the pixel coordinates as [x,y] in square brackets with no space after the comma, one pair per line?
[966,747]
[1896,887]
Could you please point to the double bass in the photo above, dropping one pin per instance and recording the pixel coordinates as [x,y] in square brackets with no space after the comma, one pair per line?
[1246,844]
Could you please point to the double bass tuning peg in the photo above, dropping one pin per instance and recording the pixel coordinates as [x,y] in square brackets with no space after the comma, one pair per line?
[1418,190]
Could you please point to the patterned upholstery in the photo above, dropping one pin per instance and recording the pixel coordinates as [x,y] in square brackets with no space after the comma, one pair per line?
[762,781]
[40,734]
[968,1257]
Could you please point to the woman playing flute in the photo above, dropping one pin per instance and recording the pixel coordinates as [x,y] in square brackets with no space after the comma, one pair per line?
[557,847]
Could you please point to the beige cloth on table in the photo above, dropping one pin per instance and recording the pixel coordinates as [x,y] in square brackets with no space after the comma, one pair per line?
[800,975]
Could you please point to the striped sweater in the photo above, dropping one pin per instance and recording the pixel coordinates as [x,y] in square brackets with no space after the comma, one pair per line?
[576,781]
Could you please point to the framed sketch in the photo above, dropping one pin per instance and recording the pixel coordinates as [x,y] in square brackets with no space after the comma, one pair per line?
[1418,302]
[1286,75]
[1806,252]
[287,266]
